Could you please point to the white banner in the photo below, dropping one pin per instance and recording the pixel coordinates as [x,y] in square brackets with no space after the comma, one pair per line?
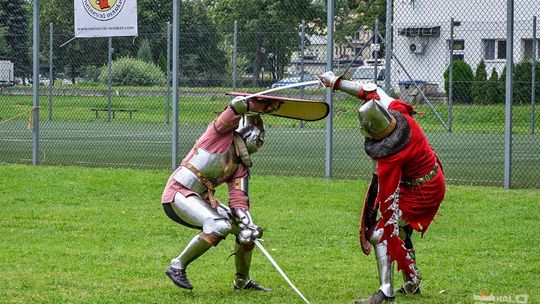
[105,18]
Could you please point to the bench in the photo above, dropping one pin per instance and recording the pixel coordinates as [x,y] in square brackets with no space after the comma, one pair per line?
[113,111]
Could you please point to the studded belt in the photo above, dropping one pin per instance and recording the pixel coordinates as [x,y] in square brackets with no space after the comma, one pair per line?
[422,180]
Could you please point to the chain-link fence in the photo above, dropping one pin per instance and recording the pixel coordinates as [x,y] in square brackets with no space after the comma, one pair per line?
[109,102]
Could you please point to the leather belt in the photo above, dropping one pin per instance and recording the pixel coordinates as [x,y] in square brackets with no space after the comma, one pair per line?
[422,180]
[211,188]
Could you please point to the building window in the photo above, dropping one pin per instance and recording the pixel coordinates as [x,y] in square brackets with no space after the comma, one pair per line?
[528,49]
[494,49]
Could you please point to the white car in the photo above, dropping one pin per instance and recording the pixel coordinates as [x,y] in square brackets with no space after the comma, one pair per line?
[365,74]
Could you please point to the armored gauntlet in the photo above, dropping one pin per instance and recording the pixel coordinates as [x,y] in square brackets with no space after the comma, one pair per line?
[249,231]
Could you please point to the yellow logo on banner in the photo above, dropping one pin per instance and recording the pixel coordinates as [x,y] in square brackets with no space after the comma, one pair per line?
[103,10]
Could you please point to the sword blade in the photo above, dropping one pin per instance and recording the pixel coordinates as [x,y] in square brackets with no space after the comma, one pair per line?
[269,257]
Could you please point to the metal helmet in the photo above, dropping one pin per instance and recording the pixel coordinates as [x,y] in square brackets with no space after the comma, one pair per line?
[375,120]
[251,129]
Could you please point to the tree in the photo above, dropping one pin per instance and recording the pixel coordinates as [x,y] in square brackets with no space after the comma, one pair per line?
[479,85]
[3,44]
[72,58]
[200,55]
[14,21]
[268,30]
[145,52]
[492,87]
[462,81]
[353,16]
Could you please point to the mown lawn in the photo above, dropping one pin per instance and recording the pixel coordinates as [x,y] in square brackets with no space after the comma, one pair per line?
[86,235]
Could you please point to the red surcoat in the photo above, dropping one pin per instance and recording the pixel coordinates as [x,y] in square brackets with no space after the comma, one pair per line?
[417,204]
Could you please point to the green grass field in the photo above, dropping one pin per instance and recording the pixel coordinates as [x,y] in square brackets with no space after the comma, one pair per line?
[87,235]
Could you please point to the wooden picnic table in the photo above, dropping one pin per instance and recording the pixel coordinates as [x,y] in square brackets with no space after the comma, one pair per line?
[113,111]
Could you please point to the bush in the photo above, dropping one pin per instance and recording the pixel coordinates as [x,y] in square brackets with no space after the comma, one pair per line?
[522,77]
[462,81]
[492,87]
[480,82]
[132,72]
[522,82]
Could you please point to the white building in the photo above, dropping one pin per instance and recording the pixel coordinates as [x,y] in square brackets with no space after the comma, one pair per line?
[422,35]
[344,52]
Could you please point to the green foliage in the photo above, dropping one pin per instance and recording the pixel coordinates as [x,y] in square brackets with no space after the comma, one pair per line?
[355,15]
[91,73]
[3,45]
[270,30]
[132,71]
[523,80]
[463,78]
[145,51]
[502,86]
[480,82]
[492,88]
[14,16]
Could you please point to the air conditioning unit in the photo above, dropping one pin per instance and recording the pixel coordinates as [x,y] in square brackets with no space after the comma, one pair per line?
[417,47]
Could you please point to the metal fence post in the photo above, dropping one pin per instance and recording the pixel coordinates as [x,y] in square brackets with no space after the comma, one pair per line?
[235,53]
[451,76]
[168,94]
[175,69]
[388,45]
[329,91]
[51,76]
[376,52]
[533,76]
[109,93]
[35,86]
[302,56]
[509,94]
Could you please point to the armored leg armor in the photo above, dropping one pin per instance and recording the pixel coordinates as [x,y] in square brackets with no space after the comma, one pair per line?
[194,212]
[385,269]
[411,285]
[242,260]
[384,265]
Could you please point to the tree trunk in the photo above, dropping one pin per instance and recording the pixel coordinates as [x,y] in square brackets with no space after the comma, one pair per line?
[258,62]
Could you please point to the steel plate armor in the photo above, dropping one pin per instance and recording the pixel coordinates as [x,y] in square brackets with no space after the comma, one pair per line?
[211,165]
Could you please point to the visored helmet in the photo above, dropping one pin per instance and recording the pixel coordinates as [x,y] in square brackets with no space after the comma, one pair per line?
[251,129]
[375,120]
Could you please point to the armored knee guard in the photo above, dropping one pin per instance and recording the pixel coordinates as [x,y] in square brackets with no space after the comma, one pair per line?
[215,230]
[384,265]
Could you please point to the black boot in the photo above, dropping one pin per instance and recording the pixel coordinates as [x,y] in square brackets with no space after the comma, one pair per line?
[376,298]
[409,288]
[179,278]
[251,285]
